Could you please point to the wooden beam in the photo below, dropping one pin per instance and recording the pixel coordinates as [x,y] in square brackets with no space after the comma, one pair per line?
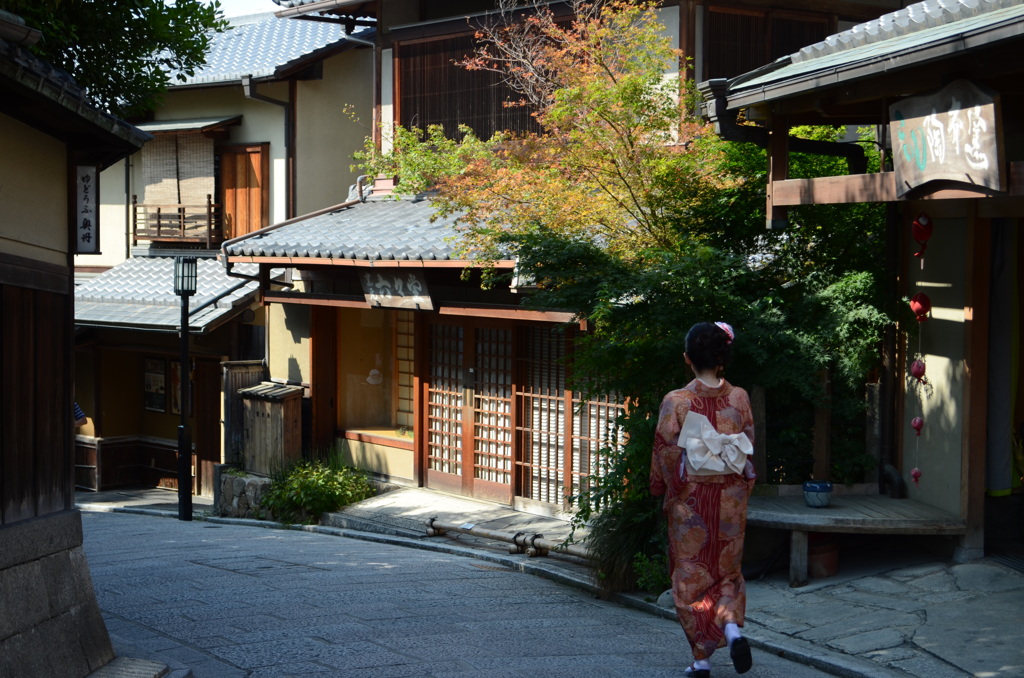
[974,437]
[313,300]
[507,313]
[876,187]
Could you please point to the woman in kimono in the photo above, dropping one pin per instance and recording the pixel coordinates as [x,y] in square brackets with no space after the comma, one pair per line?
[701,465]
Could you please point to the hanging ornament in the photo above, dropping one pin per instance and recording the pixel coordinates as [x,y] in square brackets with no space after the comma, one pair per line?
[922,232]
[917,423]
[921,305]
[917,369]
[915,475]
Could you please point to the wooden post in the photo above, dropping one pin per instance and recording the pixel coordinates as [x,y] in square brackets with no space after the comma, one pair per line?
[778,170]
[797,558]
[974,435]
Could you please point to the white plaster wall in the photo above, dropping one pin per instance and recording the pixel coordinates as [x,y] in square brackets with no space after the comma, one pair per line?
[334,117]
[261,122]
[387,97]
[941,341]
[288,342]
[33,194]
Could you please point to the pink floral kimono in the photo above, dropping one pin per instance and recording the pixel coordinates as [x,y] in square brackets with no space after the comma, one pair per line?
[707,515]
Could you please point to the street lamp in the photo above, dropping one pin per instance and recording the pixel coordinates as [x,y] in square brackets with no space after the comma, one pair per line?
[185,274]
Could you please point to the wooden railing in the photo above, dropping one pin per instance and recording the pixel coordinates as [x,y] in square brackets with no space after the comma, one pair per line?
[178,223]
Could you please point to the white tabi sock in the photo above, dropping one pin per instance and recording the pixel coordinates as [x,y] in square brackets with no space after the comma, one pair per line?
[702,665]
[732,632]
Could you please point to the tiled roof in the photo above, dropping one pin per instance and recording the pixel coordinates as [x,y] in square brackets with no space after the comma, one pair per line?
[27,83]
[263,45]
[380,229]
[916,34]
[139,294]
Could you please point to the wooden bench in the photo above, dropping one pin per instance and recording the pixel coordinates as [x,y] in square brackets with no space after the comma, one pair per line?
[846,513]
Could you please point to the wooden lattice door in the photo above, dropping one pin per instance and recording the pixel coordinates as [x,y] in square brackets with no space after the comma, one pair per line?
[469,417]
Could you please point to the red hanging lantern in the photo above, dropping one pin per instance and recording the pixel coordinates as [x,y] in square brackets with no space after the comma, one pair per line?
[917,369]
[915,475]
[917,423]
[922,231]
[921,305]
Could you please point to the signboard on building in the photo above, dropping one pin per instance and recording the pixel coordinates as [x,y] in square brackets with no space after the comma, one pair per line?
[396,288]
[954,134]
[86,222]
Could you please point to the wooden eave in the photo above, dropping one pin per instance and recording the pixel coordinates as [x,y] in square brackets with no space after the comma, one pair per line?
[307,262]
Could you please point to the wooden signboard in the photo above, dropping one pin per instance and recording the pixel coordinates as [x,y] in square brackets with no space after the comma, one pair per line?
[86,223]
[396,288]
[954,134]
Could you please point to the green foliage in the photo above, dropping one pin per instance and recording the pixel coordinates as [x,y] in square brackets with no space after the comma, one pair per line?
[123,52]
[638,217]
[619,534]
[303,491]
[651,573]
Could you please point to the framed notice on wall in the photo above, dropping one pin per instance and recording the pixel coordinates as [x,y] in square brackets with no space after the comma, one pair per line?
[175,389]
[154,385]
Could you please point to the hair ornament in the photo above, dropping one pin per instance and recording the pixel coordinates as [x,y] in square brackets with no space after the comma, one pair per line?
[727,328]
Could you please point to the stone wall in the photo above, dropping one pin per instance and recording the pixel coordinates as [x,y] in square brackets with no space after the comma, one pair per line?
[50,622]
[239,496]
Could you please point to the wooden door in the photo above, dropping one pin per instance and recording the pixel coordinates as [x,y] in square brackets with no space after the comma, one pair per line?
[206,396]
[245,188]
[468,409]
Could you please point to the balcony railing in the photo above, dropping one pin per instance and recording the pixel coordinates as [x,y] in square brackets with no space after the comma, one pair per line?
[178,223]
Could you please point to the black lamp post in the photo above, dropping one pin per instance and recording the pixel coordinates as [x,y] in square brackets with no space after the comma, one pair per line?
[185,274]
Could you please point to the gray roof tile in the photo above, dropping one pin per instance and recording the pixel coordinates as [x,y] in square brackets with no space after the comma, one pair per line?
[261,45]
[139,293]
[899,34]
[380,229]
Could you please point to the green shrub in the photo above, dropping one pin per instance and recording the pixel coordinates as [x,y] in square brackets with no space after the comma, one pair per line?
[301,492]
[651,573]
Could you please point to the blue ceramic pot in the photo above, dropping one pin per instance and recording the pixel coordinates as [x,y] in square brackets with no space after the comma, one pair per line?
[817,493]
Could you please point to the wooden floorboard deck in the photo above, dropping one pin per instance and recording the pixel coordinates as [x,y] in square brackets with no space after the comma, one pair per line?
[873,514]
[847,513]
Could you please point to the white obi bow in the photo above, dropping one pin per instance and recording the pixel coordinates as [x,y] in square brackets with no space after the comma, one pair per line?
[709,452]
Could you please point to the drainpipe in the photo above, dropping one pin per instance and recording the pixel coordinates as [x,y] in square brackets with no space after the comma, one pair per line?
[375,93]
[249,89]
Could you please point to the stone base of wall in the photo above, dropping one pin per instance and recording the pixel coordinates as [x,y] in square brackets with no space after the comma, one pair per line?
[238,496]
[51,623]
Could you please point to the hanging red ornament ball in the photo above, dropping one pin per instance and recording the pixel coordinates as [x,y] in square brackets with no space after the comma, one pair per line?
[917,423]
[922,232]
[917,370]
[915,474]
[920,304]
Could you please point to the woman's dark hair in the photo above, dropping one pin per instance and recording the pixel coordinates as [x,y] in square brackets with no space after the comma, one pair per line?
[708,346]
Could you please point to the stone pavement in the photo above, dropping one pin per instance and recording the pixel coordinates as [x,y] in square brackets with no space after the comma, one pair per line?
[893,609]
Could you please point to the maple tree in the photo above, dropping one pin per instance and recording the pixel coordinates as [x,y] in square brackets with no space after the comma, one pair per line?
[629,209]
[619,137]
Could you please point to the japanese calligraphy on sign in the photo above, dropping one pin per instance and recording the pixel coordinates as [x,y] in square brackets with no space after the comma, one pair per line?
[951,135]
[86,221]
[396,288]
